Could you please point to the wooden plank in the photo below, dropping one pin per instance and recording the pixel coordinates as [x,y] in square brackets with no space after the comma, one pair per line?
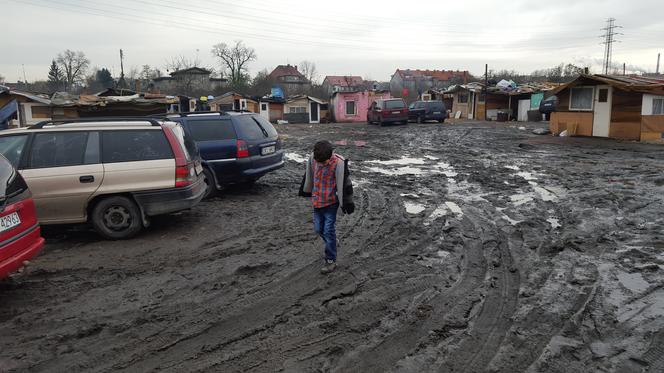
[625,130]
[580,123]
[651,136]
[652,123]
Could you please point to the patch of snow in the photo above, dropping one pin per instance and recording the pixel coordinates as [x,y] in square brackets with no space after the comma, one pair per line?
[526,175]
[414,208]
[295,157]
[554,223]
[512,167]
[522,198]
[510,220]
[454,208]
[431,157]
[403,161]
[410,195]
[397,172]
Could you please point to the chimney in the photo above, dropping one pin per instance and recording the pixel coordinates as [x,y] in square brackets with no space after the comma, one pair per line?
[295,67]
[658,55]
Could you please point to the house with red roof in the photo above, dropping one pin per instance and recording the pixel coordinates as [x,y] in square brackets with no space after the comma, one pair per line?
[346,83]
[412,83]
[289,79]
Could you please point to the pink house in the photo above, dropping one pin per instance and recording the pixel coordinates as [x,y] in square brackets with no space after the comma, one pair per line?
[353,106]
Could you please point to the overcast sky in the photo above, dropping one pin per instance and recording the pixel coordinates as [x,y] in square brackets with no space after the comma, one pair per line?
[368,38]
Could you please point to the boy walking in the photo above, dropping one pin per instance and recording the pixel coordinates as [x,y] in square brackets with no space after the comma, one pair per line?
[327,182]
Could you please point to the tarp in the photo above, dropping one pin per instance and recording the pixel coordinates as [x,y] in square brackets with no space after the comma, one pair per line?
[7,112]
[535,100]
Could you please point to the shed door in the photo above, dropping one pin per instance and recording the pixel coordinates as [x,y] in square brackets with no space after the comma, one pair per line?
[471,105]
[313,113]
[522,113]
[602,116]
[265,110]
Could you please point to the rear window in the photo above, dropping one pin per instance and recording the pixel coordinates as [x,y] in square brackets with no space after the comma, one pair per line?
[436,105]
[394,104]
[253,127]
[266,125]
[208,130]
[12,148]
[134,145]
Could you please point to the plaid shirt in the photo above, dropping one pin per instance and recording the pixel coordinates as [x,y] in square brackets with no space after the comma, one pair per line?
[324,192]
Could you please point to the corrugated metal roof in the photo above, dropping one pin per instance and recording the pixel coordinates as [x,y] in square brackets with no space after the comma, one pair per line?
[632,83]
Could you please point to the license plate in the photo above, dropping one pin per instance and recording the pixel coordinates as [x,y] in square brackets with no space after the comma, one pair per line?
[436,112]
[396,112]
[8,222]
[199,168]
[268,150]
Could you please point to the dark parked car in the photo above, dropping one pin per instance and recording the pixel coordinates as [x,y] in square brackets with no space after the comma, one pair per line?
[427,110]
[236,147]
[20,236]
[388,111]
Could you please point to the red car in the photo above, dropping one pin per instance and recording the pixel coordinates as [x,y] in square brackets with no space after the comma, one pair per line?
[392,110]
[20,236]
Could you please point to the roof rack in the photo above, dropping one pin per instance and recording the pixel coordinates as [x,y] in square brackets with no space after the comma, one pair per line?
[40,125]
[188,113]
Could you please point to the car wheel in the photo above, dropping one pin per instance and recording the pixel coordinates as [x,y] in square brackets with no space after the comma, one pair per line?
[116,218]
[419,119]
[441,120]
[211,185]
[380,122]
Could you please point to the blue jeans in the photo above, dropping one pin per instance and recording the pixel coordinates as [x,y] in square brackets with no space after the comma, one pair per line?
[325,219]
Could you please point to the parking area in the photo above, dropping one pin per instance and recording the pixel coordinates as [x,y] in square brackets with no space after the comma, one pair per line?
[475,246]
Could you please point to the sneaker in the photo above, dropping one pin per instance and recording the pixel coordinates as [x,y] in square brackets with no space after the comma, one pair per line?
[329,266]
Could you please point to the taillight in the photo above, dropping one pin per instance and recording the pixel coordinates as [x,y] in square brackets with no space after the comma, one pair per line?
[242,149]
[183,176]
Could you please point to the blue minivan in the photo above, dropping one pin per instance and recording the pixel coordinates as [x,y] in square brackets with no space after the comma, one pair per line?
[236,147]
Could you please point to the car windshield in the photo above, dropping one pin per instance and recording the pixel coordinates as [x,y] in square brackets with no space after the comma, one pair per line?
[394,104]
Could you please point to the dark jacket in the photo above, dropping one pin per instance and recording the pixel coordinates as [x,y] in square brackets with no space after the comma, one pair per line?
[342,175]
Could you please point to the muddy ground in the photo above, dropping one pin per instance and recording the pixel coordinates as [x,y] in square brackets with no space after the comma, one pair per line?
[476,247]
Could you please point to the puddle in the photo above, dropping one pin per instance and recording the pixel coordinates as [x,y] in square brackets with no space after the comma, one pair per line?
[295,157]
[512,167]
[634,282]
[446,169]
[403,161]
[409,195]
[554,223]
[414,208]
[439,212]
[443,254]
[431,157]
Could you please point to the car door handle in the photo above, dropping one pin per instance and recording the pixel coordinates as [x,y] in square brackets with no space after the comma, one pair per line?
[86,179]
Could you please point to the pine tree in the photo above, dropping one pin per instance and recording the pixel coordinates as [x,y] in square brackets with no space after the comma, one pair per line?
[55,77]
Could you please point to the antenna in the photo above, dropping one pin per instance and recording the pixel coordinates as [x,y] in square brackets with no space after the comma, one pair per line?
[609,39]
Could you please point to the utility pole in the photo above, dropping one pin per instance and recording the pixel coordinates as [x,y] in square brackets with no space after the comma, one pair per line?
[121,81]
[25,80]
[609,39]
[657,70]
[486,89]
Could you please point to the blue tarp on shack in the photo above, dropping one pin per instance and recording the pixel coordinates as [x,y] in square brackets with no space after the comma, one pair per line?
[6,113]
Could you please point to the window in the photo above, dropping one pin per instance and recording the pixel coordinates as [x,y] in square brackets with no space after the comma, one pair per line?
[297,109]
[12,148]
[581,98]
[658,106]
[135,145]
[263,107]
[396,104]
[58,149]
[208,130]
[350,108]
[603,95]
[462,98]
[267,126]
[249,128]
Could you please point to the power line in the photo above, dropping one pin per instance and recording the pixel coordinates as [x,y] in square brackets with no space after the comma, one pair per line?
[609,39]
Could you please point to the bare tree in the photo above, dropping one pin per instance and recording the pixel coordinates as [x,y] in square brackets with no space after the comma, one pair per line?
[73,66]
[182,62]
[234,59]
[308,69]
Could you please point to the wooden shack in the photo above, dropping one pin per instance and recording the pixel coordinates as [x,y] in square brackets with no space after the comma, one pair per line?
[619,107]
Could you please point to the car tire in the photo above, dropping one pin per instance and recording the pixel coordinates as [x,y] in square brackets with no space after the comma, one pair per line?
[441,120]
[210,183]
[419,119]
[380,122]
[116,218]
